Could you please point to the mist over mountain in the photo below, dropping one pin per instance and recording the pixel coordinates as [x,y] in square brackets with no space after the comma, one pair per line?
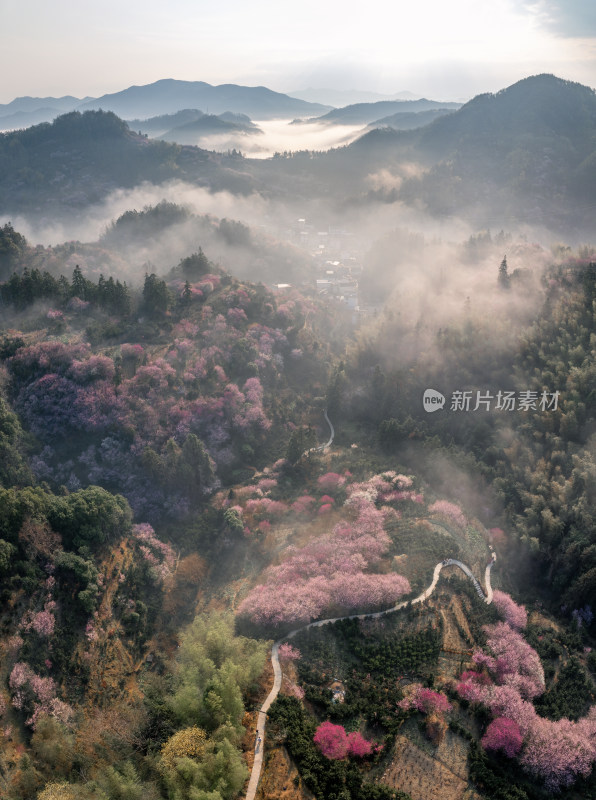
[363,113]
[78,159]
[207,125]
[24,119]
[239,396]
[524,154]
[344,97]
[190,125]
[163,122]
[168,96]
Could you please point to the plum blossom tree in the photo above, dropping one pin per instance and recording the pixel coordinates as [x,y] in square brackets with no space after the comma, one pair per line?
[557,752]
[159,555]
[288,653]
[43,623]
[514,614]
[331,740]
[503,734]
[449,510]
[517,664]
[36,695]
[302,504]
[330,481]
[358,745]
[334,743]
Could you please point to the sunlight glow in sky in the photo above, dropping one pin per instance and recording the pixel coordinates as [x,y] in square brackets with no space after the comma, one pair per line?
[442,50]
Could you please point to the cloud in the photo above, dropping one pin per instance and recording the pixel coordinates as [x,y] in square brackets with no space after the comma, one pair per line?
[565,18]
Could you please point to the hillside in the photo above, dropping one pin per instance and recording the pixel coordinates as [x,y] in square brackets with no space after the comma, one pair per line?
[542,106]
[408,120]
[526,152]
[166,515]
[156,125]
[80,158]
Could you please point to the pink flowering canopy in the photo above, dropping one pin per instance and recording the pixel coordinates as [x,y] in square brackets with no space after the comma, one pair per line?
[331,740]
[503,734]
[358,745]
[288,653]
[334,743]
[331,480]
[449,510]
[329,571]
[514,614]
[557,752]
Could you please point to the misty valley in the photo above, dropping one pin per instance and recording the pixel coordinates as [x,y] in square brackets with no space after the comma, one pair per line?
[298,446]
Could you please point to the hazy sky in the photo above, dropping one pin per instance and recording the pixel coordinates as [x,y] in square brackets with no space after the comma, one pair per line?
[444,50]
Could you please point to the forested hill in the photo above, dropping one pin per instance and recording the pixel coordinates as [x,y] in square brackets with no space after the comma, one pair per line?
[527,151]
[79,158]
[542,106]
[538,462]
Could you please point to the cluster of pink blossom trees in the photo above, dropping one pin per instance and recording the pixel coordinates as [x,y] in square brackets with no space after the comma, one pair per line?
[42,622]
[503,734]
[508,677]
[514,614]
[303,504]
[36,695]
[287,653]
[329,572]
[389,487]
[334,743]
[218,369]
[331,481]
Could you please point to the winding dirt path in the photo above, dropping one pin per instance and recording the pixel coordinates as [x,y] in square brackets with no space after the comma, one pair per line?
[277,673]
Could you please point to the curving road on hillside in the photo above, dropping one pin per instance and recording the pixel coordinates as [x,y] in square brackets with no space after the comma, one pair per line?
[319,448]
[331,433]
[277,673]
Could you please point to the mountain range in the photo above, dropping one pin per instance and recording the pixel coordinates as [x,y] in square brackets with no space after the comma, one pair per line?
[527,153]
[162,97]
[168,96]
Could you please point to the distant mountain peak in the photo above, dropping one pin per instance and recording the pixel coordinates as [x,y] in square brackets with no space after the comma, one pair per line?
[168,96]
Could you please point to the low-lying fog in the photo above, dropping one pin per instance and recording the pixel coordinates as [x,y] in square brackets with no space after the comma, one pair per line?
[281,135]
